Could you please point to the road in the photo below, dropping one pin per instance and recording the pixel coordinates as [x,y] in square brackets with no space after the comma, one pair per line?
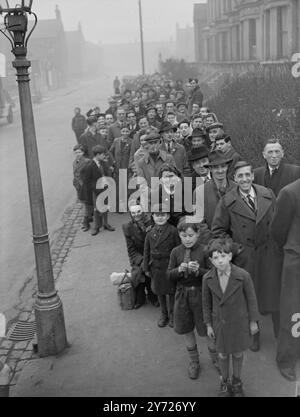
[55,141]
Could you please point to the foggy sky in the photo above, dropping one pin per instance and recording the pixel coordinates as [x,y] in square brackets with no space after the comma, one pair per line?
[117,21]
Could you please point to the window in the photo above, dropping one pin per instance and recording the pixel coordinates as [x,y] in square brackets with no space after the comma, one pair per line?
[282,34]
[268,34]
[296,26]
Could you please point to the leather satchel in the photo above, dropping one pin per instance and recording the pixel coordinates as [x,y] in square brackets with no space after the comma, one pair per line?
[126,294]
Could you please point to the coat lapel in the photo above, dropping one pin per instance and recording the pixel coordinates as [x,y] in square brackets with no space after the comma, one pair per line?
[164,235]
[241,208]
[263,204]
[214,285]
[234,283]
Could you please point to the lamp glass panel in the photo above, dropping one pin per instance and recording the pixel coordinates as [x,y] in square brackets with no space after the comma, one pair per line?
[27,3]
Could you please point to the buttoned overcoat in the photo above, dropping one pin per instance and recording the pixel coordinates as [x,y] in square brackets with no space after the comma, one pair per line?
[230,312]
[158,247]
[261,256]
[286,231]
[211,198]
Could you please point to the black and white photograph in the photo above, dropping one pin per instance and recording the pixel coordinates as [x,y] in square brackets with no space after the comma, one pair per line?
[149,201]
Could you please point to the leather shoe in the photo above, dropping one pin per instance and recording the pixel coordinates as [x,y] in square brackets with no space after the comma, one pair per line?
[155,303]
[171,320]
[163,321]
[194,370]
[288,373]
[255,347]
[137,306]
[85,227]
[109,228]
[95,231]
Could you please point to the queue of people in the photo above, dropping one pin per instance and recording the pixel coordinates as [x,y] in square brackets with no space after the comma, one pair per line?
[214,274]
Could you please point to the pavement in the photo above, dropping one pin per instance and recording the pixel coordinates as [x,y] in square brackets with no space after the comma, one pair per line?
[119,353]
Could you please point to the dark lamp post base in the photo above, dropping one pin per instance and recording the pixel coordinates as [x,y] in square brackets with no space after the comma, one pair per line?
[50,325]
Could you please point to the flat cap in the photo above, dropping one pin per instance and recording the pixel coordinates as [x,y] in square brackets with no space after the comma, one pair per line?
[152,137]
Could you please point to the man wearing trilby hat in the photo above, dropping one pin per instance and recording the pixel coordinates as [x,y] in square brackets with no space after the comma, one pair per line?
[217,187]
[171,147]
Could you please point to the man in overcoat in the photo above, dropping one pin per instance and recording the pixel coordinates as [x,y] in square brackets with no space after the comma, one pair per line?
[224,145]
[286,231]
[171,147]
[245,214]
[90,174]
[215,188]
[275,174]
[114,130]
[90,137]
[196,96]
[78,123]
[149,166]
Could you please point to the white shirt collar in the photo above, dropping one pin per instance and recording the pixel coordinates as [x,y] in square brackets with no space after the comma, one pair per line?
[272,169]
[252,193]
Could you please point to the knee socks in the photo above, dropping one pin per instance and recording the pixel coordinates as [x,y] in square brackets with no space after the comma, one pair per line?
[224,367]
[193,354]
[237,363]
[213,355]
[171,303]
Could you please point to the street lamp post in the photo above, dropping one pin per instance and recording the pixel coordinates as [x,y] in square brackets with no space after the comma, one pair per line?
[51,333]
[142,38]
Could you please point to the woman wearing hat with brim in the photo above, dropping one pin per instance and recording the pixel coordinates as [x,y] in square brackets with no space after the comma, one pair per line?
[151,116]
[198,159]
[182,111]
[198,138]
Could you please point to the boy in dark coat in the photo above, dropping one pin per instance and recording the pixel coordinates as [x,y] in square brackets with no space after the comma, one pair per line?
[186,268]
[90,174]
[230,313]
[158,245]
[79,163]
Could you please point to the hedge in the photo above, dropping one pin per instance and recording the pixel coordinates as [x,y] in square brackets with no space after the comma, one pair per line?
[257,106]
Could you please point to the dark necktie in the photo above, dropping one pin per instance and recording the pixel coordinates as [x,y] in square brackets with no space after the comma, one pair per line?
[187,259]
[169,148]
[222,191]
[251,203]
[273,172]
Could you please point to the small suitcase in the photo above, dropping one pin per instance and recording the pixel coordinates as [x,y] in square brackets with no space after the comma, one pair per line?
[126,294]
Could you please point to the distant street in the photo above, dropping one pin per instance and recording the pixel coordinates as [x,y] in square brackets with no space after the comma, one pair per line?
[55,141]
